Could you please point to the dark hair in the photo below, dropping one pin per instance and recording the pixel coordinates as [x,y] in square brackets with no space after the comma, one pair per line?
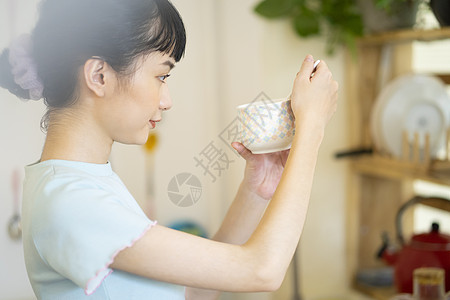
[69,32]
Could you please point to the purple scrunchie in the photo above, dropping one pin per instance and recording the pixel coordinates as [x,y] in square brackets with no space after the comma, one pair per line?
[23,67]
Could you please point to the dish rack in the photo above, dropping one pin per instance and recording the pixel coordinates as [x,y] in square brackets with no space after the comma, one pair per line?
[415,158]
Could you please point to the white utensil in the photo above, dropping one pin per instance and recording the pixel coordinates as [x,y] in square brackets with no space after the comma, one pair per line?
[316,63]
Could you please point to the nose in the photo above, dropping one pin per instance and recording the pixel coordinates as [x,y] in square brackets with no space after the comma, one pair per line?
[165,102]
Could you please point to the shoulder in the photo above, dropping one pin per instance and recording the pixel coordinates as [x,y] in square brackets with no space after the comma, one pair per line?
[55,178]
[59,192]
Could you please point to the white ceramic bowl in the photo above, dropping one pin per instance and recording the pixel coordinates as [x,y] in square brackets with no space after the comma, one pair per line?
[266,126]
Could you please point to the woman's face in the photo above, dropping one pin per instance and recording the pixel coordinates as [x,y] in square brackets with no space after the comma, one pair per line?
[134,110]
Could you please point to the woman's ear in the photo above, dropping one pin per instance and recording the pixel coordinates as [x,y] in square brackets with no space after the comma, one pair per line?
[95,70]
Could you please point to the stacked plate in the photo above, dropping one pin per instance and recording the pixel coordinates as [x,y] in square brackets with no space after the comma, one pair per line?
[411,103]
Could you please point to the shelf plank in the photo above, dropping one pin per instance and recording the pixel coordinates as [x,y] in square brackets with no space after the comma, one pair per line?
[376,293]
[371,166]
[404,36]
[444,77]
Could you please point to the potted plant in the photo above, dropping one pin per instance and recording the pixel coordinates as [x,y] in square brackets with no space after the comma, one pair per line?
[342,21]
[383,15]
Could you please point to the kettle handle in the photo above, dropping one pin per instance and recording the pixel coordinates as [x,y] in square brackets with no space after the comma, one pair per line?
[437,202]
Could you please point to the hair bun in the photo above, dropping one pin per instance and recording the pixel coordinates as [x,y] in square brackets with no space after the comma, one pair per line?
[7,78]
[23,67]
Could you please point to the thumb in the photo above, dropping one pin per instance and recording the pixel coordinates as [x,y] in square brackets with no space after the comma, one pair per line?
[242,150]
[307,67]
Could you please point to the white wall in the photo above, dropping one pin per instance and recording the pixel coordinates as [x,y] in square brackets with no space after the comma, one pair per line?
[21,143]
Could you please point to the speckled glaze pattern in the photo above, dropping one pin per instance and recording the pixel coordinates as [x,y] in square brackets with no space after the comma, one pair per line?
[266,126]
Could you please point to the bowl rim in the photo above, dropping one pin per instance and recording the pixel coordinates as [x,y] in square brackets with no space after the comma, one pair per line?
[274,101]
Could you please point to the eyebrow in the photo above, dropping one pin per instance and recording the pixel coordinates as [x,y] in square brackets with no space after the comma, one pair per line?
[169,63]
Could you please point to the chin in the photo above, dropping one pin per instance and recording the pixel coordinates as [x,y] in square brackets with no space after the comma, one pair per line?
[133,141]
[137,137]
[140,141]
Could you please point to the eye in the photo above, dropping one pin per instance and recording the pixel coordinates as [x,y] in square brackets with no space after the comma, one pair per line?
[164,77]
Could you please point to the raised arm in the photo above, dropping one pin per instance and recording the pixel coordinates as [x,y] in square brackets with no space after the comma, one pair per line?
[261,177]
[239,224]
[260,263]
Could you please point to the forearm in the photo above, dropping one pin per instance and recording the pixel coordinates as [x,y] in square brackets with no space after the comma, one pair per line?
[242,218]
[275,239]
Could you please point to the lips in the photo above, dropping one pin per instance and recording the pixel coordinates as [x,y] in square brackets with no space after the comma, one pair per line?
[153,122]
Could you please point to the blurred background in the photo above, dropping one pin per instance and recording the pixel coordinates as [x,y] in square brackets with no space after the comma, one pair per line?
[233,56]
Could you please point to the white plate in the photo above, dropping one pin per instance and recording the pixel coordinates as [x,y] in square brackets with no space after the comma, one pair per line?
[415,103]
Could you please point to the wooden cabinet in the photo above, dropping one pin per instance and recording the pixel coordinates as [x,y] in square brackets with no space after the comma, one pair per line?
[378,187]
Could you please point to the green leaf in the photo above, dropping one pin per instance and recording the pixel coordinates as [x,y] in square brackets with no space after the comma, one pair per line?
[334,39]
[275,8]
[350,41]
[353,24]
[306,23]
[383,4]
[342,18]
[300,2]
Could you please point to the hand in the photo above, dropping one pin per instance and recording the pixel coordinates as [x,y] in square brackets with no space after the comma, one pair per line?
[262,171]
[314,98]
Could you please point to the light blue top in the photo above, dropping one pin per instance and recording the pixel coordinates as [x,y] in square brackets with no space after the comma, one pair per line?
[76,217]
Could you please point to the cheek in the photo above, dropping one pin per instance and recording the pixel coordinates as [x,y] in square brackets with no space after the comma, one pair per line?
[147,95]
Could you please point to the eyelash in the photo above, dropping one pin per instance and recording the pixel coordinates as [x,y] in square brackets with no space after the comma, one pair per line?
[163,78]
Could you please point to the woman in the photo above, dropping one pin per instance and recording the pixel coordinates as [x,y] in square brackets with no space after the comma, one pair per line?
[101,67]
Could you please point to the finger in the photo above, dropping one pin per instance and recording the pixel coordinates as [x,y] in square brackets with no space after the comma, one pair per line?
[307,67]
[242,150]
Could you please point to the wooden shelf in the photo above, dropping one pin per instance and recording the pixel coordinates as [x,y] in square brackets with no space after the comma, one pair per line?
[403,36]
[378,293]
[373,166]
[379,185]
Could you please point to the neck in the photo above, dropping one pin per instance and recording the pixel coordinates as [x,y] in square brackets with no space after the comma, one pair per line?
[74,137]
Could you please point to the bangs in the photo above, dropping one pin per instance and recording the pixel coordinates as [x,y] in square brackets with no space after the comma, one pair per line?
[168,34]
